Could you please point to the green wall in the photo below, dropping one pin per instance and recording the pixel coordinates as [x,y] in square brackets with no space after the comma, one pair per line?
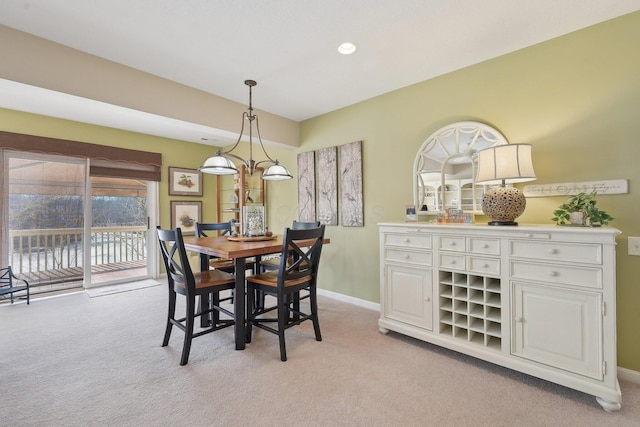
[575,98]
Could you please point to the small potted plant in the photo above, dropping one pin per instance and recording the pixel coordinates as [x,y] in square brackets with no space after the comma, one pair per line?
[581,209]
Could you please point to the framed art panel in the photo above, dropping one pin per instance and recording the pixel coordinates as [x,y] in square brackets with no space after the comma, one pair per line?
[306,187]
[185,215]
[185,182]
[352,211]
[328,186]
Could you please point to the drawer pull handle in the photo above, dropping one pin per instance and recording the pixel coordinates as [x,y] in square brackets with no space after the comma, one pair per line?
[518,319]
[552,251]
[428,299]
[453,262]
[554,274]
[407,240]
[485,246]
[407,256]
[452,244]
[485,265]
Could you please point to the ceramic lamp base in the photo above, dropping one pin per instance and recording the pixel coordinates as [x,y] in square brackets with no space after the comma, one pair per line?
[503,205]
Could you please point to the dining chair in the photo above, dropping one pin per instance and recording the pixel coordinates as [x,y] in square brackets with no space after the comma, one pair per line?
[285,283]
[222,229]
[182,280]
[10,284]
[273,263]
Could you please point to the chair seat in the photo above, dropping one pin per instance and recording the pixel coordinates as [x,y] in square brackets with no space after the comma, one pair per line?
[221,263]
[212,278]
[270,278]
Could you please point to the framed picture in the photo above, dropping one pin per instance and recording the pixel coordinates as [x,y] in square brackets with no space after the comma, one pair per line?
[184,182]
[328,185]
[185,215]
[411,213]
[306,187]
[352,212]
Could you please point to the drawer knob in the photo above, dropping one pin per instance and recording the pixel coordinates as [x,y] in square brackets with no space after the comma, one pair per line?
[518,319]
[554,274]
[485,246]
[428,299]
[452,244]
[407,240]
[485,265]
[552,251]
[453,262]
[407,256]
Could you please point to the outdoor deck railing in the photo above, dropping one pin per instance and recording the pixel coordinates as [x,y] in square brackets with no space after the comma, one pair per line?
[38,251]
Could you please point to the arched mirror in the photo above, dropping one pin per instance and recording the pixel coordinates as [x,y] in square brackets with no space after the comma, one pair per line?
[445,167]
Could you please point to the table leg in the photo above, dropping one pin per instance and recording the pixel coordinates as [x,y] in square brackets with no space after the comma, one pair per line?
[239,304]
[205,302]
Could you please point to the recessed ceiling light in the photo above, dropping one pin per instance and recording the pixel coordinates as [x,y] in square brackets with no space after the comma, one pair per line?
[347,48]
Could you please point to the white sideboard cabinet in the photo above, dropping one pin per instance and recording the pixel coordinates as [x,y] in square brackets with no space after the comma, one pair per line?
[537,299]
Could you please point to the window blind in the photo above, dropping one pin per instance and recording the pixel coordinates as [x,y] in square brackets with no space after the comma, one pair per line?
[104,160]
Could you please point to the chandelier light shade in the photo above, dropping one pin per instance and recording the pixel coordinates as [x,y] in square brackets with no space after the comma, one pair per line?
[501,165]
[221,163]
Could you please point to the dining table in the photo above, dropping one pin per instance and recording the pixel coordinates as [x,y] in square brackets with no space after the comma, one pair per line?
[239,249]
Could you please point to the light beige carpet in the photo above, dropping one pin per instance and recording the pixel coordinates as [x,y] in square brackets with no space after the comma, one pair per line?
[81,361]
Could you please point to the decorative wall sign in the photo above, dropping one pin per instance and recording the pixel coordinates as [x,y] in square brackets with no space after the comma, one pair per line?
[571,188]
[328,186]
[185,182]
[306,187]
[185,215]
[352,212]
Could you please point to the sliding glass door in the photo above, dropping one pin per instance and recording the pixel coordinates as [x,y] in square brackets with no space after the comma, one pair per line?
[43,217]
[119,223]
[57,220]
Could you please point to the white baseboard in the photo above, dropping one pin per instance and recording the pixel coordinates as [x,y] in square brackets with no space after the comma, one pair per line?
[629,375]
[351,300]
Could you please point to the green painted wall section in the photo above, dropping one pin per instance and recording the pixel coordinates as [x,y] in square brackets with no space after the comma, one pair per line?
[575,98]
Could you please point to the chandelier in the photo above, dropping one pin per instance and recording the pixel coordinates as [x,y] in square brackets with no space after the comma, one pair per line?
[221,164]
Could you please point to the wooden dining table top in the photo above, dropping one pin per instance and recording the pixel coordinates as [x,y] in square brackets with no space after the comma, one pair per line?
[222,247]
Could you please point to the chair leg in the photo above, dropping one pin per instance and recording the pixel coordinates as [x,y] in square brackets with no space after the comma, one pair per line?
[283,315]
[314,312]
[214,299]
[250,314]
[170,315]
[188,333]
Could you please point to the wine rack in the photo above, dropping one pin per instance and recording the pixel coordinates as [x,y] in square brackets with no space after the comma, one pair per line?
[470,308]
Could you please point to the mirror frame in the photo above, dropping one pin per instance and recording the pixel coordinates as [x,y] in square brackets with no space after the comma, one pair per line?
[451,133]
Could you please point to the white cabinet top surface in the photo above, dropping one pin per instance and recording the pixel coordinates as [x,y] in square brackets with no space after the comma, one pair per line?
[534,231]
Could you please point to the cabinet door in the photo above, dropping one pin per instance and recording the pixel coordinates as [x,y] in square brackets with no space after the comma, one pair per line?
[558,327]
[408,295]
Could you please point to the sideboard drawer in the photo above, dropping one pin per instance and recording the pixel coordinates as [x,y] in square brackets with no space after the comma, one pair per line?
[455,262]
[479,265]
[421,258]
[449,243]
[484,246]
[557,274]
[569,252]
[408,240]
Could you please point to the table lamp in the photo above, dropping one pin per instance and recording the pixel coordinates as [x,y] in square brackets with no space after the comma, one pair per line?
[504,164]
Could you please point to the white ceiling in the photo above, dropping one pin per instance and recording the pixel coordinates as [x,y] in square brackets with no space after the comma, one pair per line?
[290,46]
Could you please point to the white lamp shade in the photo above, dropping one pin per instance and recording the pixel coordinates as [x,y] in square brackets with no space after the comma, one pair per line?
[218,165]
[508,163]
[276,172]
